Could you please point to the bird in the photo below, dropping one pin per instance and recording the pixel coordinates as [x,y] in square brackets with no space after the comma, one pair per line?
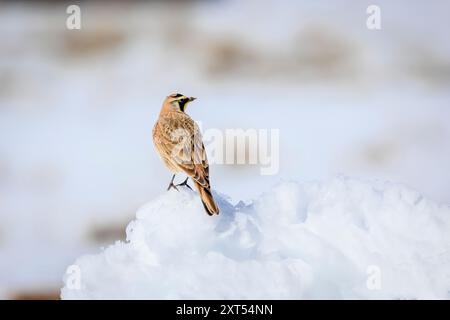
[178,140]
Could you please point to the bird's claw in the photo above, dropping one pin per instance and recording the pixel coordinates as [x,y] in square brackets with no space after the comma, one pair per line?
[184,183]
[171,185]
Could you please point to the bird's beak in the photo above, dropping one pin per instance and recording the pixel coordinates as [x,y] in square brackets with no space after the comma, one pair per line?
[191,99]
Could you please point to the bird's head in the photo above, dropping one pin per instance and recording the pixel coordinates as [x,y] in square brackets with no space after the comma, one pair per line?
[178,101]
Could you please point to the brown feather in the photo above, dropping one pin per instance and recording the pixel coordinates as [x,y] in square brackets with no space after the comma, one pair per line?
[207,199]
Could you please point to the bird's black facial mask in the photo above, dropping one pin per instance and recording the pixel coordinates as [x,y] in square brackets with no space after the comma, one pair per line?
[182,103]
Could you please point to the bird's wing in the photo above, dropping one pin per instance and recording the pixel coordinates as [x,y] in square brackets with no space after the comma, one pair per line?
[180,140]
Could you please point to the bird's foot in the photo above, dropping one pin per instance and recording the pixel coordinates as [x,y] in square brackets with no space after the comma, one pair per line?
[184,183]
[172,185]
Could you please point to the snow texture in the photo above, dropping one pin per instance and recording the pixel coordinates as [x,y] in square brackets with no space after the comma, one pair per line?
[298,241]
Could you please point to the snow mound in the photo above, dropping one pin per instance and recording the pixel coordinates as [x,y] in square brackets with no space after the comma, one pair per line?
[343,239]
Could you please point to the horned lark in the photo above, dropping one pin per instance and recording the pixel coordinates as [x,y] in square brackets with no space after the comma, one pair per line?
[178,141]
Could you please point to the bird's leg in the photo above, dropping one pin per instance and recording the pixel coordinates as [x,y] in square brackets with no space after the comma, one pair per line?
[171,185]
[185,183]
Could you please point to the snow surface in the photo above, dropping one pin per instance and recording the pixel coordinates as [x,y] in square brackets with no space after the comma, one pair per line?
[298,241]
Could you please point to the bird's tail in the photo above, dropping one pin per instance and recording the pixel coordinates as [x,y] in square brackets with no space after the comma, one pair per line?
[207,200]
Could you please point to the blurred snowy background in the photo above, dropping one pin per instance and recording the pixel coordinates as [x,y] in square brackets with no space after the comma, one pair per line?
[77,108]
